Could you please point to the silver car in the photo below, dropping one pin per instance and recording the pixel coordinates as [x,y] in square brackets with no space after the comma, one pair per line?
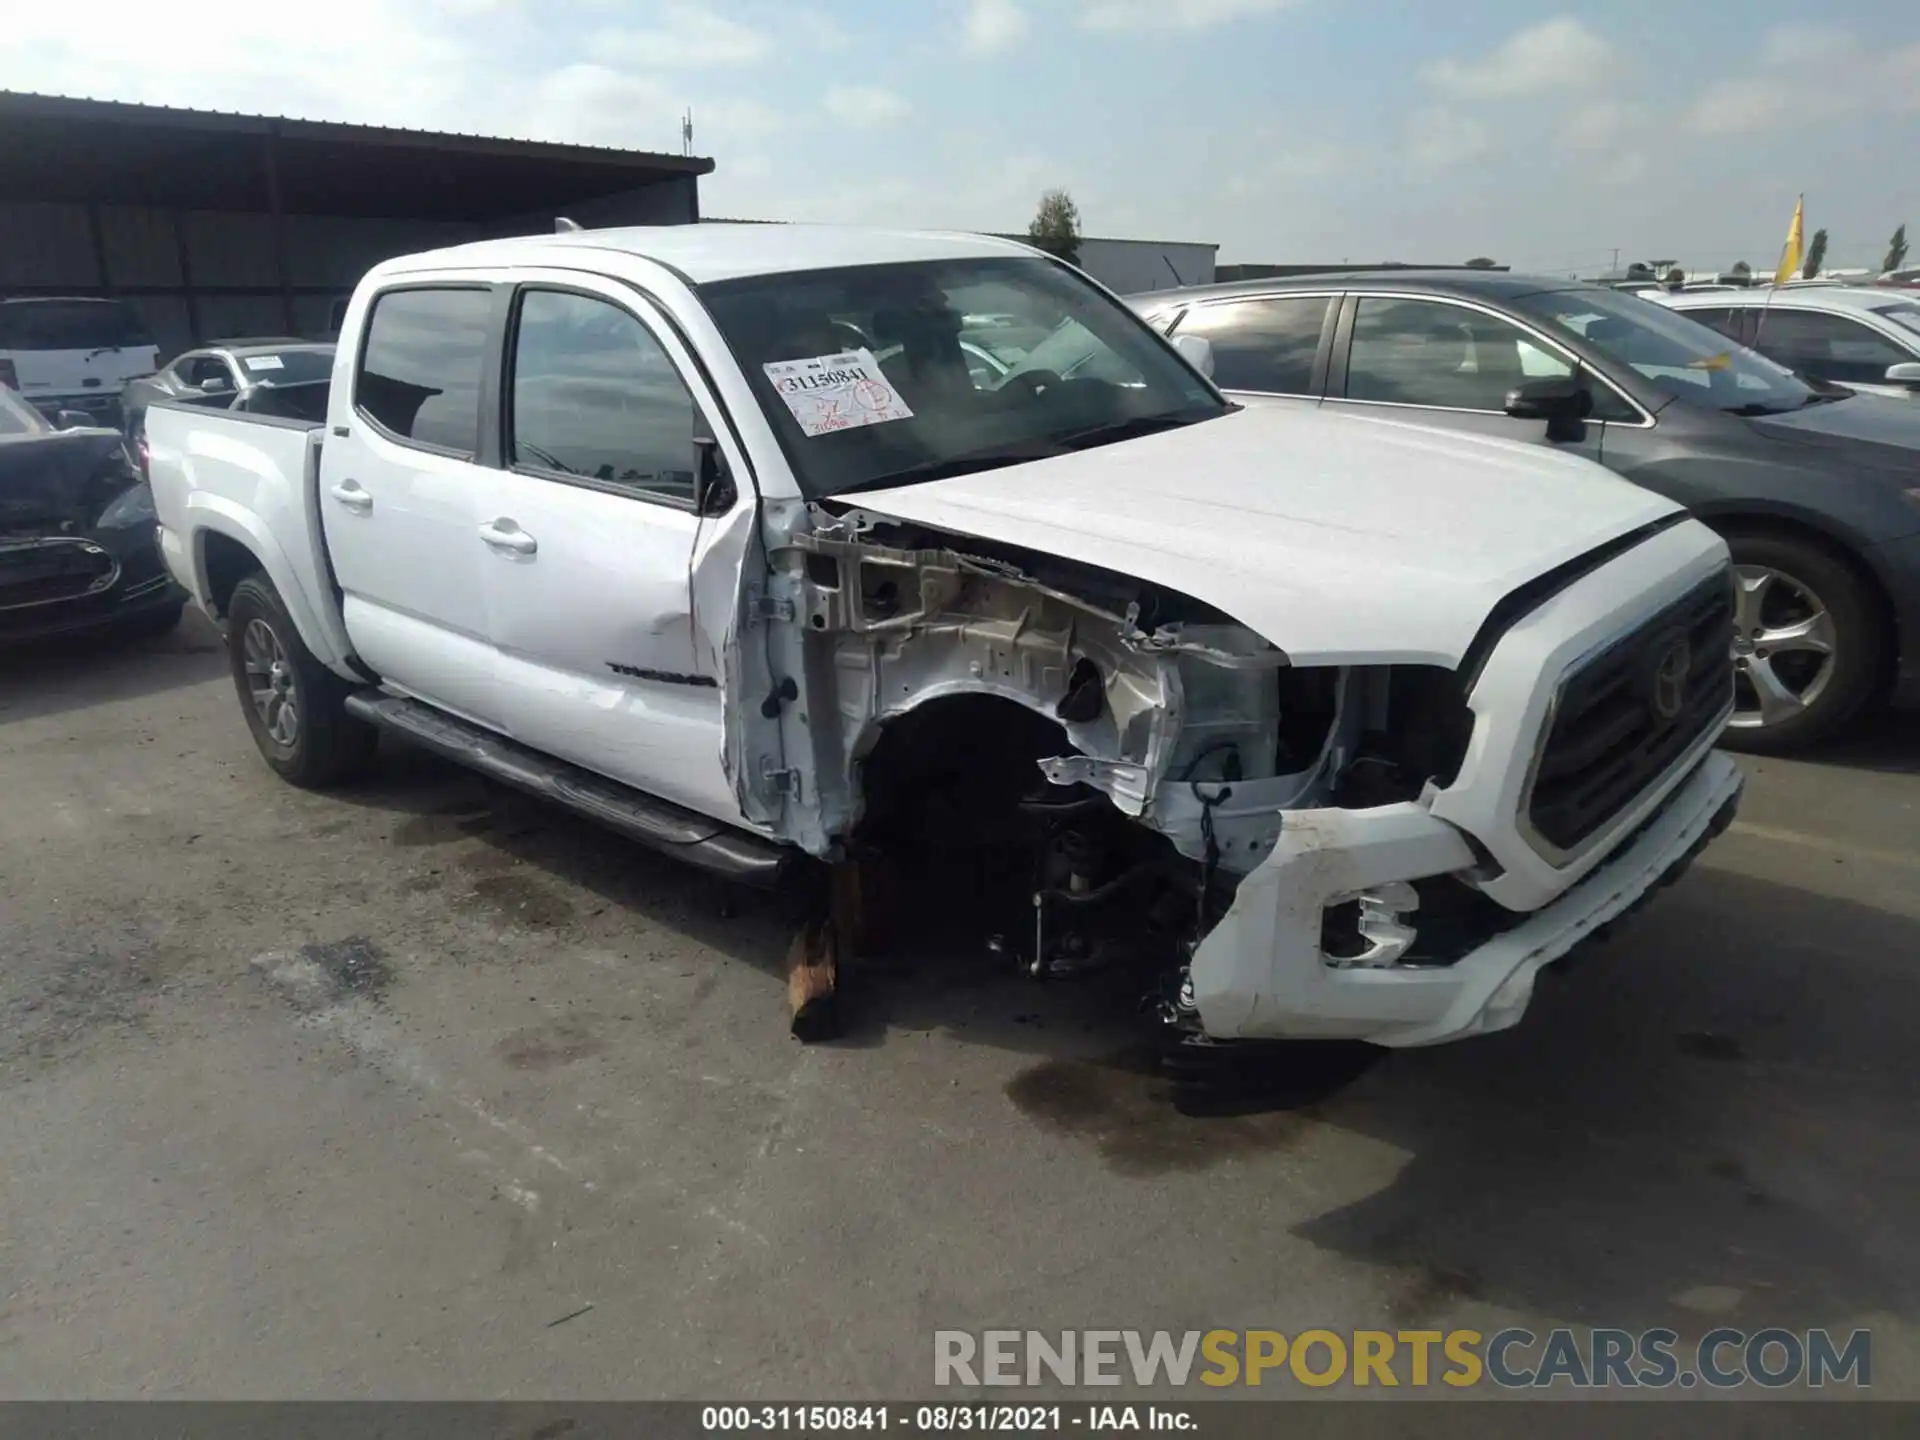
[1859,336]
[232,375]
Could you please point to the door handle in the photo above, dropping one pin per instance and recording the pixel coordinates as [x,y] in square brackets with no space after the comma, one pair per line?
[349,494]
[504,534]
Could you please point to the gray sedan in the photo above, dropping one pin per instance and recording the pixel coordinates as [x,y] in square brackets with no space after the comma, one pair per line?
[230,375]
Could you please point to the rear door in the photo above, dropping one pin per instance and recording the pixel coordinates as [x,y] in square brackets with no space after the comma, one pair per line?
[588,540]
[1428,361]
[401,493]
[1266,348]
[75,353]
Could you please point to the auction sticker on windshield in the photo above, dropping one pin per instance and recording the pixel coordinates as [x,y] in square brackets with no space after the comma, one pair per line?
[836,392]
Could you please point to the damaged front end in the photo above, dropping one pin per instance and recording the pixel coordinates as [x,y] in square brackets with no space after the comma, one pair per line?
[1094,764]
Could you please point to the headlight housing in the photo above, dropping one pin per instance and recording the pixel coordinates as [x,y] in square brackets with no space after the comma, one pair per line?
[129,509]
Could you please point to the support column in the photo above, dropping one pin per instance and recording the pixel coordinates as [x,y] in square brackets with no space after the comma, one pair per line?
[186,278]
[271,153]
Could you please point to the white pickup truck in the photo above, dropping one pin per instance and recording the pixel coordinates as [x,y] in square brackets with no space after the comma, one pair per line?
[1332,726]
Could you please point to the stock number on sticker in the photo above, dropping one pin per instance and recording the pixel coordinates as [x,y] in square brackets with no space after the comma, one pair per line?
[723,1419]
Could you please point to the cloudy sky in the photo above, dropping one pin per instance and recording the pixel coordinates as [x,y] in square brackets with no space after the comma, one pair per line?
[1295,130]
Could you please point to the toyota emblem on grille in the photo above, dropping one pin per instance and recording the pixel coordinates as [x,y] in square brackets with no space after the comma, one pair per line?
[1669,691]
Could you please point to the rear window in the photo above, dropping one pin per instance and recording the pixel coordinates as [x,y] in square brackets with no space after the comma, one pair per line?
[1902,314]
[419,375]
[70,325]
[286,367]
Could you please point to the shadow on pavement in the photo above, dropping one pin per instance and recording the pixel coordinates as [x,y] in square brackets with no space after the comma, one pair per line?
[1885,741]
[1713,1120]
[52,677]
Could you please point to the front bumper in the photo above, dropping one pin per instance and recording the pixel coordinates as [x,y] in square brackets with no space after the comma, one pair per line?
[140,587]
[1261,974]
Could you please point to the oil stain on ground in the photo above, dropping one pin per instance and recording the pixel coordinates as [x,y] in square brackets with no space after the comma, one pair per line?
[352,968]
[518,900]
[1126,1108]
[443,827]
[549,1046]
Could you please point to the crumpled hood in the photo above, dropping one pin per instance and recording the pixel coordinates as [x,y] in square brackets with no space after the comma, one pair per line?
[1340,538]
[51,480]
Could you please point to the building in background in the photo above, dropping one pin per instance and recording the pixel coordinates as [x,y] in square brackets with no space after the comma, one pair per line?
[212,224]
[1131,266]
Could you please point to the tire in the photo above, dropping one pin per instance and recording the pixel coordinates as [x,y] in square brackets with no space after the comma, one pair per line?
[1788,696]
[295,706]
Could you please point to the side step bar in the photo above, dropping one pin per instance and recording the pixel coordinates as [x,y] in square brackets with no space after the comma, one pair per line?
[639,816]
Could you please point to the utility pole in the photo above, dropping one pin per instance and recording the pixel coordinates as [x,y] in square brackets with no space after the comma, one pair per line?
[1616,261]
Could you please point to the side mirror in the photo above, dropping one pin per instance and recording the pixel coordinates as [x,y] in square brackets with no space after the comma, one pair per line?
[73,420]
[215,385]
[1198,351]
[713,488]
[1906,373]
[1563,404]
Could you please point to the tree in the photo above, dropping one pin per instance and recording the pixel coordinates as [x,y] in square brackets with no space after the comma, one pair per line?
[1482,262]
[1676,277]
[1056,226]
[1816,256]
[1896,250]
[1742,271]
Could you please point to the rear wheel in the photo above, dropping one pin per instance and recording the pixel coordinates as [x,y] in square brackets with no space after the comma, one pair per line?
[295,706]
[1806,646]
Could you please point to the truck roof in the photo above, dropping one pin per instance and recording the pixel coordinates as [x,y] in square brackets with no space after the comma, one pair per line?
[709,251]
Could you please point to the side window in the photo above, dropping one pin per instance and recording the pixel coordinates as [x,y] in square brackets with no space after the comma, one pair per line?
[1264,345]
[1728,321]
[594,395]
[1427,352]
[207,372]
[1424,352]
[419,374]
[1827,347]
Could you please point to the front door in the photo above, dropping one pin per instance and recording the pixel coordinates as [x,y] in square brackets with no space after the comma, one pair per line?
[1434,362]
[588,541]
[400,497]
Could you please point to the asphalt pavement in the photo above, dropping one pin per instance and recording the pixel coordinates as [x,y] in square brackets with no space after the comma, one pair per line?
[419,1090]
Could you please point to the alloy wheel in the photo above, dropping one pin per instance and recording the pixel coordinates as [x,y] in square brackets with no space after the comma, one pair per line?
[276,696]
[1784,646]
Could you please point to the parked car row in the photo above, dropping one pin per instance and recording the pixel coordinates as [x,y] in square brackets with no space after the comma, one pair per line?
[1813,486]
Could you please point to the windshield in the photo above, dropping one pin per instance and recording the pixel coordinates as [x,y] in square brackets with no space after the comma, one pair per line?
[864,378]
[1906,314]
[287,367]
[1680,356]
[17,418]
[70,325]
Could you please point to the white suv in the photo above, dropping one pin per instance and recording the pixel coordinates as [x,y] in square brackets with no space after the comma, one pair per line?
[73,353]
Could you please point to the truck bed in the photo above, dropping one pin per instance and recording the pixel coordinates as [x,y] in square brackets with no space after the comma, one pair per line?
[250,478]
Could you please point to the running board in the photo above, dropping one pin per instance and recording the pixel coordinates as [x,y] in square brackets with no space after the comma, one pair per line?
[639,816]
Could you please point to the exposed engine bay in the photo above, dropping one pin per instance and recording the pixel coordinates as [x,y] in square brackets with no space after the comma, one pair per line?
[1098,762]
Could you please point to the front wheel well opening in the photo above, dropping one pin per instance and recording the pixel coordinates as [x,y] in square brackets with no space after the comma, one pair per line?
[225,562]
[948,771]
[982,848]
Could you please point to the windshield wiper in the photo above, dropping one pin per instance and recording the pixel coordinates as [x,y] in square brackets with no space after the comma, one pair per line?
[1129,429]
[947,466]
[1757,408]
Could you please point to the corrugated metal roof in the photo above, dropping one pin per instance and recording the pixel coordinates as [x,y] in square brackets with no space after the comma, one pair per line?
[85,107]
